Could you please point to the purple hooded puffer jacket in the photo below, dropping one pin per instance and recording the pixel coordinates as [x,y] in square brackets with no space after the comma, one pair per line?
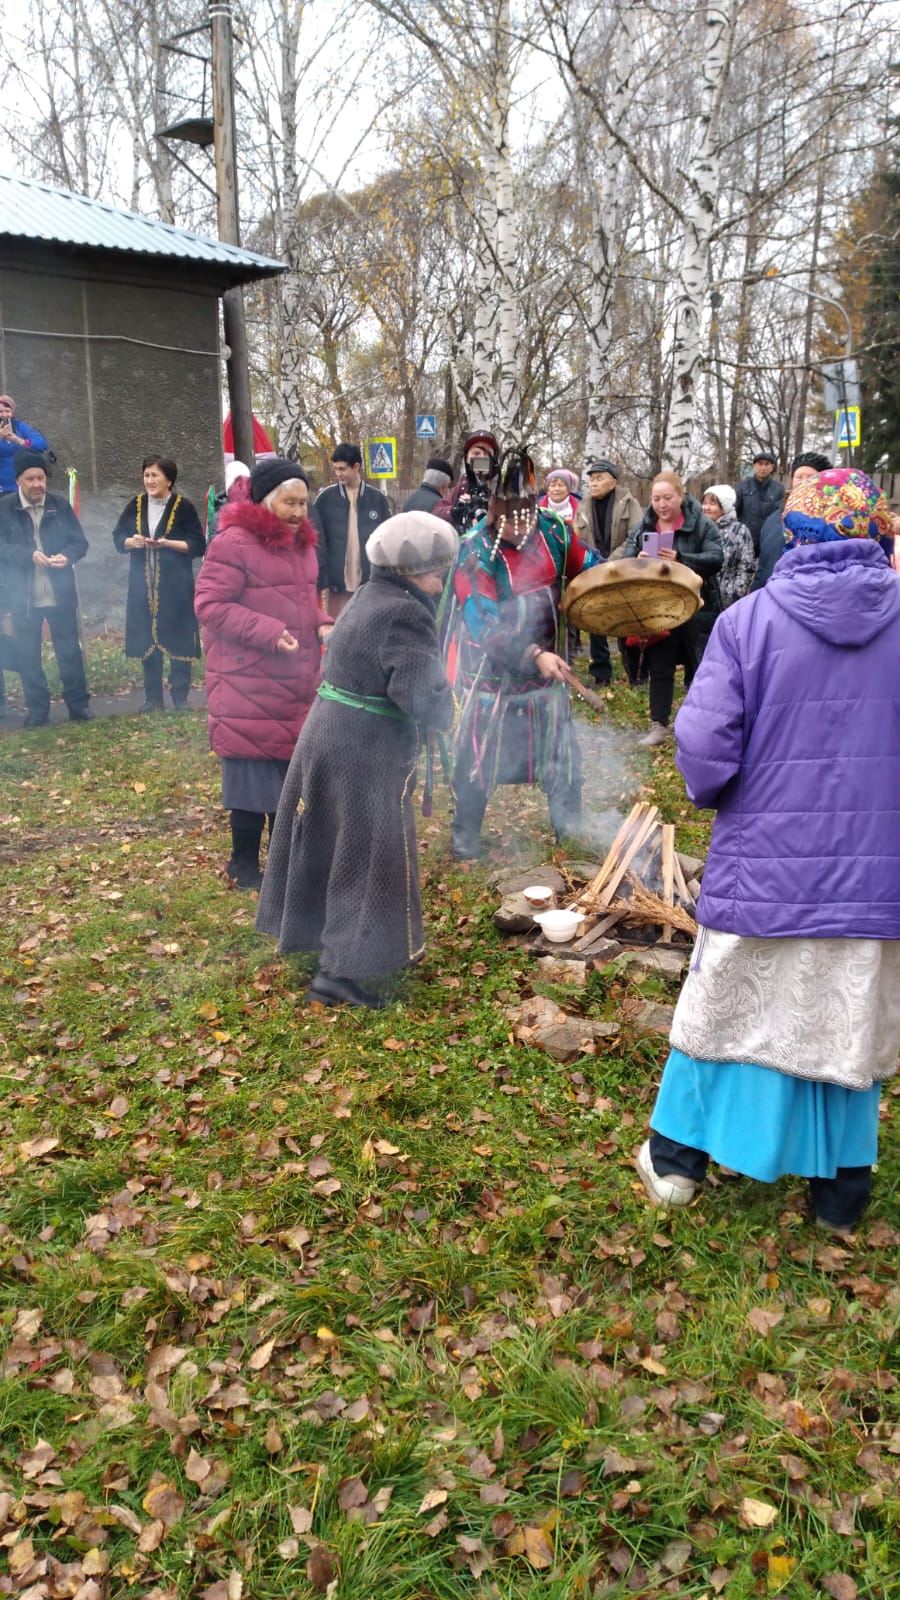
[791,730]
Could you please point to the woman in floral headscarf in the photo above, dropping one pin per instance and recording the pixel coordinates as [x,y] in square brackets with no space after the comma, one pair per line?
[789,1019]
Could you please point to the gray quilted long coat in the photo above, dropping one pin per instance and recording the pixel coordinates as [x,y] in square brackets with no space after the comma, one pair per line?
[342,871]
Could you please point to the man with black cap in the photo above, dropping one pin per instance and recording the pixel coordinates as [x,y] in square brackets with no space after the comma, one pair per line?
[758,495]
[603,521]
[344,515]
[40,541]
[436,480]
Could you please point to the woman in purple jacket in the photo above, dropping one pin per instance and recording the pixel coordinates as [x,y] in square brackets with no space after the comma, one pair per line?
[789,1019]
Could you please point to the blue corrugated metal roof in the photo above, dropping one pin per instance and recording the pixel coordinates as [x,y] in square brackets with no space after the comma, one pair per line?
[38,211]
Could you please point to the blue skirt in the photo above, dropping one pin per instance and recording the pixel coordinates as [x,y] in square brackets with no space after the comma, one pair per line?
[764,1123]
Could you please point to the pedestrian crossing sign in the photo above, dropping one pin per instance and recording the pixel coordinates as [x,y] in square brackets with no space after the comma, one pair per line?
[381,458]
[425,426]
[848,426]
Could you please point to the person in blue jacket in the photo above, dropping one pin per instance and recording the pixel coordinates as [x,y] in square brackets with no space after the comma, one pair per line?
[14,435]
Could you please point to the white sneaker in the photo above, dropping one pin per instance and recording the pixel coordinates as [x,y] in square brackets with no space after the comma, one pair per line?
[671,1190]
[658,735]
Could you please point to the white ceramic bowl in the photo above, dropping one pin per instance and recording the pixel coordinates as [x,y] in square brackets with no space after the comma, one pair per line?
[559,926]
[539,897]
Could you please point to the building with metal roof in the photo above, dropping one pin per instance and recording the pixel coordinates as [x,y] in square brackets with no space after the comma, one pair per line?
[40,213]
[110,346]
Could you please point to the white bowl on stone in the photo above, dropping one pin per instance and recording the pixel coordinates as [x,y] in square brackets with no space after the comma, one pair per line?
[539,897]
[559,926]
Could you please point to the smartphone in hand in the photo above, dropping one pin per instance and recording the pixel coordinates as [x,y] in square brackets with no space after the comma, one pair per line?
[650,544]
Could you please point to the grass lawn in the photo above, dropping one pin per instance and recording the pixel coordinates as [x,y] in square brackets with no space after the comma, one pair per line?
[297,1302]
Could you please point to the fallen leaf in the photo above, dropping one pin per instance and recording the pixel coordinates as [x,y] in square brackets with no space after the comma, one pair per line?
[33,1149]
[763,1321]
[433,1497]
[261,1356]
[152,1537]
[840,1586]
[676,1556]
[352,1492]
[538,1548]
[164,1503]
[321,1567]
[778,1571]
[301,1518]
[756,1514]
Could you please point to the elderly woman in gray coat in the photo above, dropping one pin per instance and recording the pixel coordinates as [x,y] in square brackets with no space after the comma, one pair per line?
[342,871]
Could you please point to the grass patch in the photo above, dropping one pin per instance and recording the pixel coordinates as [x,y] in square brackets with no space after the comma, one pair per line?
[293,1297]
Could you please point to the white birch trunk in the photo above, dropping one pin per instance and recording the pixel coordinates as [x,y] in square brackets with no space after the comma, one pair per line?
[699,215]
[606,244]
[507,398]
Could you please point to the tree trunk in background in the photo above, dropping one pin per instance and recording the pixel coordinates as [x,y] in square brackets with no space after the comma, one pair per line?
[803,388]
[606,244]
[699,214]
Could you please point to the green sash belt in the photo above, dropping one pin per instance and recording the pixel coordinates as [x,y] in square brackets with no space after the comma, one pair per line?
[378,704]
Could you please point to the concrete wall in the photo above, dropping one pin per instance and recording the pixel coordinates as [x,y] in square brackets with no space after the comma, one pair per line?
[104,403]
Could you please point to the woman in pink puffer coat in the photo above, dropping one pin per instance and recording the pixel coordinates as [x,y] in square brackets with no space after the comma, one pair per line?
[257,604]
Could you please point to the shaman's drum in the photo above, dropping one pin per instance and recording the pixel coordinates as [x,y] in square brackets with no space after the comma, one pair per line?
[633,596]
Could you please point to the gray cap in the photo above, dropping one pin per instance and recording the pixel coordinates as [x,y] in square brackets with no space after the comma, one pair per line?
[413,542]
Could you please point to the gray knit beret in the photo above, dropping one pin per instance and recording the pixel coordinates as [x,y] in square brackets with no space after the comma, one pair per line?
[413,542]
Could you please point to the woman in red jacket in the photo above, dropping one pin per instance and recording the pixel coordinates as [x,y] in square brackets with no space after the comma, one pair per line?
[256,600]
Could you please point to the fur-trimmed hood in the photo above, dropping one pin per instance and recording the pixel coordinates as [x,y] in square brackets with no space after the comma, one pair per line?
[264,525]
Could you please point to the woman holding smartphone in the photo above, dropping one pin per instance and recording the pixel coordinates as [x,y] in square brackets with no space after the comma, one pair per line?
[161,532]
[674,528]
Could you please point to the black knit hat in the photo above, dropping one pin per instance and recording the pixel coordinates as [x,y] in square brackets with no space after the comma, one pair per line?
[811,458]
[23,459]
[267,475]
[438,464]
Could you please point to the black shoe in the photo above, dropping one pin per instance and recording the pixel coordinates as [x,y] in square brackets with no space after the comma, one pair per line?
[180,705]
[244,874]
[602,683]
[332,991]
[151,705]
[34,721]
[466,847]
[81,716]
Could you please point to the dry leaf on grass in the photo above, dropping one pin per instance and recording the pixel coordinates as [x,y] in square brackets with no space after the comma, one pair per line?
[321,1567]
[433,1498]
[261,1355]
[756,1513]
[840,1586]
[163,1501]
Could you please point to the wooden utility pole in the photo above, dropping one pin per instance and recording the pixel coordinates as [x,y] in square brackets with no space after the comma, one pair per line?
[238,366]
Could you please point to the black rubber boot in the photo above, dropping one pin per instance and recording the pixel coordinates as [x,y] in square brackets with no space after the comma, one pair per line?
[246,833]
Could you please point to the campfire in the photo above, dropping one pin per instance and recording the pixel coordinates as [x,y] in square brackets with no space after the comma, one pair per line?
[641,885]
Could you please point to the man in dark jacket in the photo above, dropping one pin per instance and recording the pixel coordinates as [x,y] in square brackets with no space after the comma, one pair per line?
[759,495]
[40,541]
[436,480]
[345,513]
[603,522]
[771,541]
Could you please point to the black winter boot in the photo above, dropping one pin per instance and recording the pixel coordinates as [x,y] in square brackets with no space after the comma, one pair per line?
[246,833]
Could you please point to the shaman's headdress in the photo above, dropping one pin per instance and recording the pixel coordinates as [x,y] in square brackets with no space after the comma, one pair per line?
[515,498]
